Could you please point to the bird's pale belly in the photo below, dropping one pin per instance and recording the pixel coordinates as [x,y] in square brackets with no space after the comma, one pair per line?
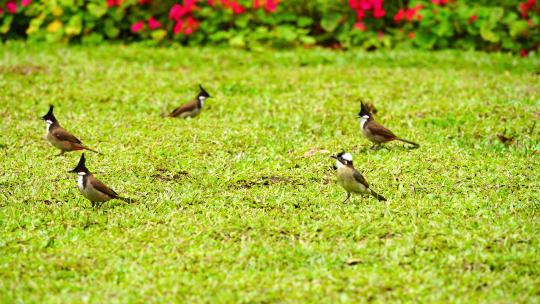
[92,194]
[62,145]
[190,113]
[374,138]
[350,184]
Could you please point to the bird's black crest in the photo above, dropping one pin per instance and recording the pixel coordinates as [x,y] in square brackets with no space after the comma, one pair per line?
[363,110]
[49,115]
[203,92]
[81,166]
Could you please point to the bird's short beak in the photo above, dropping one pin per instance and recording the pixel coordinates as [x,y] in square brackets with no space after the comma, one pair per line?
[42,118]
[333,156]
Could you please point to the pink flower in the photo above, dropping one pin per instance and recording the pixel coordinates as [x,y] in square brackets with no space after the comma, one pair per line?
[153,23]
[177,11]
[380,35]
[211,2]
[256,4]
[11,7]
[178,27]
[1,11]
[271,5]
[523,53]
[25,2]
[360,26]
[143,2]
[137,27]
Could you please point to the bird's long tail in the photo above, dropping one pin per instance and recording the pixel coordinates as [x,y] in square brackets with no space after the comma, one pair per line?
[89,149]
[414,145]
[377,196]
[125,199]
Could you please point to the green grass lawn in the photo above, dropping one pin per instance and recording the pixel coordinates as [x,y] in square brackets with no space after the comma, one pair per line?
[241,203]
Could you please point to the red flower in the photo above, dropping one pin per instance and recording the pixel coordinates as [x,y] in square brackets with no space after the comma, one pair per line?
[523,53]
[178,27]
[411,35]
[380,35]
[11,7]
[143,2]
[1,11]
[25,2]
[153,23]
[524,9]
[191,25]
[111,3]
[355,4]
[379,13]
[360,14]
[472,19]
[271,5]
[256,4]
[211,2]
[137,27]
[400,15]
[236,7]
[360,25]
[439,2]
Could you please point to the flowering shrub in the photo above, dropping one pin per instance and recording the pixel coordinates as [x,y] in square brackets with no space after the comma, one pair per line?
[508,25]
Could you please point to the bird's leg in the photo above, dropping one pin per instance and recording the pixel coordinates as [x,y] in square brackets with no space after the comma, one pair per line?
[61,153]
[348,196]
[93,204]
[376,147]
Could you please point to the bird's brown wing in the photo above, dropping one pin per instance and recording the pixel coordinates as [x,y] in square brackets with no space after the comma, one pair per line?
[380,130]
[103,188]
[360,178]
[187,107]
[64,135]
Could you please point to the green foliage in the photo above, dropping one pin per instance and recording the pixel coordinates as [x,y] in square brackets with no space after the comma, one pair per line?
[484,25]
[231,208]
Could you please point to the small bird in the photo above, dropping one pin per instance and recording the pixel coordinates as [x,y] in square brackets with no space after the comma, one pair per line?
[61,138]
[377,133]
[193,107]
[350,179]
[92,188]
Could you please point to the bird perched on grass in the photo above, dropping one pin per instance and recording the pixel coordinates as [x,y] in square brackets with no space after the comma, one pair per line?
[377,133]
[59,137]
[350,179]
[91,188]
[193,107]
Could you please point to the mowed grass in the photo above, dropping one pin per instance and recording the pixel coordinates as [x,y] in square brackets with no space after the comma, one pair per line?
[231,208]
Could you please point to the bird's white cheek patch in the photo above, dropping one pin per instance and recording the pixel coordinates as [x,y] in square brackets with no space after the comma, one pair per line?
[363,120]
[80,181]
[81,173]
[49,124]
